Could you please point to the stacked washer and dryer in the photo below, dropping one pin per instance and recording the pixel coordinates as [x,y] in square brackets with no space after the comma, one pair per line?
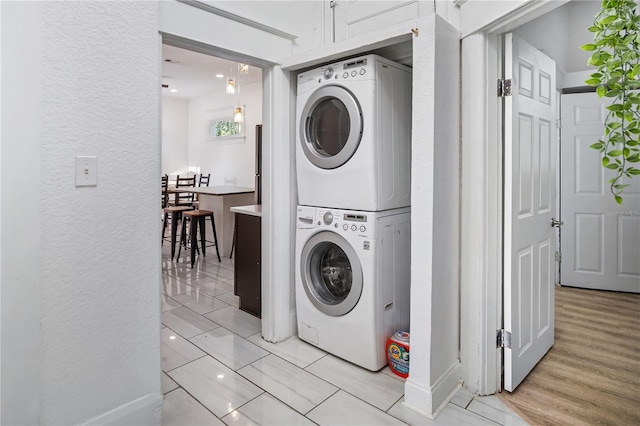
[353,156]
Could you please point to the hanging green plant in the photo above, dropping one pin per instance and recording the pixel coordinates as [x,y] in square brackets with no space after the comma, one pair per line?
[616,53]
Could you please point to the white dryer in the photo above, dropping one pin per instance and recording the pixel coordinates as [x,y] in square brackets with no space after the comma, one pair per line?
[353,147]
[352,280]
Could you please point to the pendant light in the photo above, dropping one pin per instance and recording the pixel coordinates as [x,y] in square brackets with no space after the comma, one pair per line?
[231,86]
[237,115]
[243,69]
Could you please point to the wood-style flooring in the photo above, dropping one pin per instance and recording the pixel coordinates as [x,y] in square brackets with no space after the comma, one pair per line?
[591,375]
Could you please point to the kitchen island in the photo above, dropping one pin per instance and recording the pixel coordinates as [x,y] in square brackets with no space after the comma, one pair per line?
[247,258]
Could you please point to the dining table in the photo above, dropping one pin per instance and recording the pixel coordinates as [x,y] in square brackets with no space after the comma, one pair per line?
[219,200]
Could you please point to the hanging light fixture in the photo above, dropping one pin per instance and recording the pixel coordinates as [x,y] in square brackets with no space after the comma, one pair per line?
[243,69]
[231,86]
[237,115]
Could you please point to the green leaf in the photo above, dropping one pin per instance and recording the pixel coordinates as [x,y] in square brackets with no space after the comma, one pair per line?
[633,172]
[613,167]
[597,145]
[601,91]
[615,107]
[592,81]
[618,199]
[635,71]
[588,47]
[633,158]
[605,161]
[612,93]
[614,153]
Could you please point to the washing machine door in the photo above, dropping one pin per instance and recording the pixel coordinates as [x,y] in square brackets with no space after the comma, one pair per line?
[331,273]
[330,127]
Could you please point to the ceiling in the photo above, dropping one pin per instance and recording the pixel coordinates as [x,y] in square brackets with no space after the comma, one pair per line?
[193,74]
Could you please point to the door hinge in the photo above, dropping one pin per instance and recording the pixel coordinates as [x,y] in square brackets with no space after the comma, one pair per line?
[559,123]
[558,256]
[504,87]
[503,339]
[333,4]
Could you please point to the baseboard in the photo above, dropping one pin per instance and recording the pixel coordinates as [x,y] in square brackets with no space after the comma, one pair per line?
[430,400]
[142,411]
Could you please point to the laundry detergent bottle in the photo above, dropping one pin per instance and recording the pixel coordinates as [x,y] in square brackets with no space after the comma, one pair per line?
[398,353]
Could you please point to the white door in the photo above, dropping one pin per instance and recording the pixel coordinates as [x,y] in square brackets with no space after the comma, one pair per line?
[600,239]
[529,193]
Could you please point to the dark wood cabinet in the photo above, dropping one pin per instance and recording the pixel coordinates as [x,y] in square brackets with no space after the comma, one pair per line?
[247,257]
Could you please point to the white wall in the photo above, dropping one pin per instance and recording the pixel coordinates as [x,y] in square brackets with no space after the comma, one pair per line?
[81,79]
[228,160]
[435,368]
[304,19]
[175,135]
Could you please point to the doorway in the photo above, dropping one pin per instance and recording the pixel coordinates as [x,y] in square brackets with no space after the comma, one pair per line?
[592,241]
[600,239]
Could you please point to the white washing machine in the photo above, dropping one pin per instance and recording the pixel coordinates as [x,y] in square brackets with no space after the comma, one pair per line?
[353,147]
[352,280]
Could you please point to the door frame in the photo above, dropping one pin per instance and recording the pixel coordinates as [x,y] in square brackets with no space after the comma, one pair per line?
[278,207]
[482,209]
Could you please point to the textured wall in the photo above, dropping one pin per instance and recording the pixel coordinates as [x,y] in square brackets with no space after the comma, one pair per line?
[100,251]
[94,281]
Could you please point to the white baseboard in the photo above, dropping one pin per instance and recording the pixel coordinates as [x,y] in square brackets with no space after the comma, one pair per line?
[142,411]
[430,400]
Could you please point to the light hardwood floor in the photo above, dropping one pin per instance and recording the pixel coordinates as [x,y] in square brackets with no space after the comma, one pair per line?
[592,373]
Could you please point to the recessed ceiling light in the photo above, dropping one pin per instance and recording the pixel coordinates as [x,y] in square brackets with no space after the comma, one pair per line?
[220,75]
[174,90]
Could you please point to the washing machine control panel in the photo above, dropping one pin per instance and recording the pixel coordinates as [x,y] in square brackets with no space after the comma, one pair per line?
[352,223]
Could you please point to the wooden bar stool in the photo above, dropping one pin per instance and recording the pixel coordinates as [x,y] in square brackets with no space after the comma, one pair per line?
[197,220]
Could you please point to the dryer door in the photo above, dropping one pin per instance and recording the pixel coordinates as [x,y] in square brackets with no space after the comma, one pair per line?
[330,127]
[331,273]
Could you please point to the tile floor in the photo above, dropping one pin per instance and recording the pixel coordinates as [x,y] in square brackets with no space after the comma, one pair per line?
[216,369]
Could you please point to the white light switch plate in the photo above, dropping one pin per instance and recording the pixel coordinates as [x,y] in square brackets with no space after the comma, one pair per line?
[86,171]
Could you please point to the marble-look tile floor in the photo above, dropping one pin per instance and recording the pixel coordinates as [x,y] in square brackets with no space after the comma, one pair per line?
[216,369]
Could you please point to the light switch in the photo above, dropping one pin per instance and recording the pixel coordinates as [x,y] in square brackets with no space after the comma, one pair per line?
[86,171]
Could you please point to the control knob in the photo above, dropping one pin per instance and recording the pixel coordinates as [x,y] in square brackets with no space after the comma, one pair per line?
[327,218]
[328,73]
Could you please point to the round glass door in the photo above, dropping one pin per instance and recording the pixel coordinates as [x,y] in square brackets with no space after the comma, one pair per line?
[331,273]
[330,127]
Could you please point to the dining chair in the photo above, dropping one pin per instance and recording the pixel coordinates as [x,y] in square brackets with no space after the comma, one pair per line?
[165,191]
[184,198]
[204,179]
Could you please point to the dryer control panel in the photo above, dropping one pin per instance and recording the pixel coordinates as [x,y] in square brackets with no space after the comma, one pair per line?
[356,69]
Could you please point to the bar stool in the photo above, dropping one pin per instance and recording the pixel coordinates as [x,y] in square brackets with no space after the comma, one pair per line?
[197,220]
[176,213]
